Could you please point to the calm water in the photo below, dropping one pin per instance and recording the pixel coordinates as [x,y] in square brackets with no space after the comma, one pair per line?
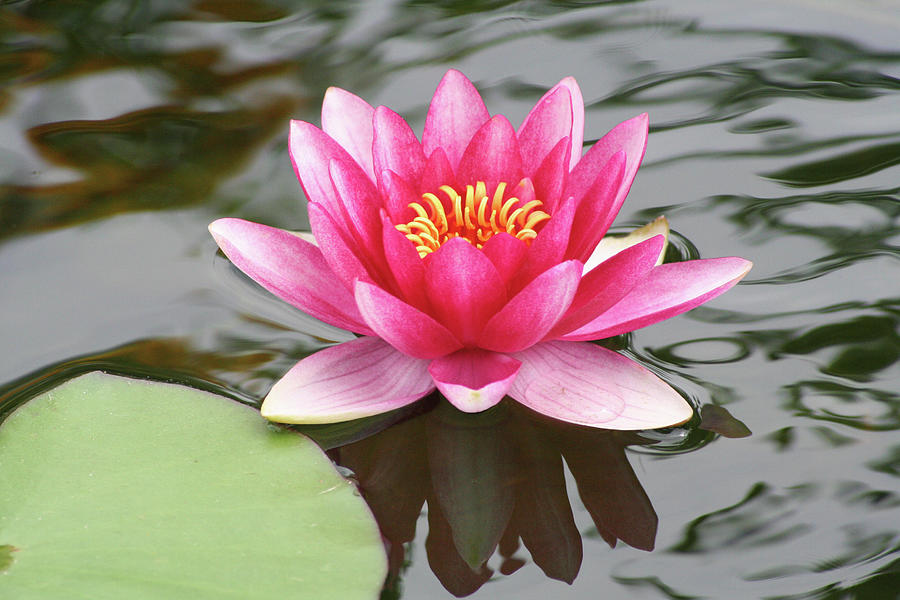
[125,127]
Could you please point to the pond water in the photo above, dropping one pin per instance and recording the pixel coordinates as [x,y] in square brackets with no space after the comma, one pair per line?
[127,126]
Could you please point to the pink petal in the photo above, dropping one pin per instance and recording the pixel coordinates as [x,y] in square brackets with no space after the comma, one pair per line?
[340,253]
[396,146]
[404,327]
[587,384]
[464,288]
[291,268]
[548,122]
[492,156]
[550,177]
[597,209]
[398,194]
[437,172]
[577,136]
[361,204]
[405,265]
[608,283]
[347,118]
[507,253]
[474,380]
[668,290]
[534,311]
[630,137]
[455,114]
[356,379]
[312,150]
[549,247]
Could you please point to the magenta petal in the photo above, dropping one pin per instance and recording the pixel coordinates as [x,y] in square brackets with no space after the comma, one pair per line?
[437,172]
[548,122]
[630,137]
[474,380]
[455,114]
[398,194]
[550,177]
[577,137]
[464,288]
[340,253]
[668,290]
[587,384]
[361,204]
[396,146]
[507,253]
[608,282]
[356,379]
[404,327]
[348,119]
[291,268]
[492,156]
[597,210]
[405,265]
[533,312]
[312,150]
[549,247]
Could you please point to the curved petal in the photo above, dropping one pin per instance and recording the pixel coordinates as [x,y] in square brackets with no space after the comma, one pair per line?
[630,137]
[404,327]
[312,150]
[396,146]
[437,172]
[361,204]
[492,156]
[549,247]
[507,253]
[577,119]
[550,177]
[589,385]
[611,245]
[597,210]
[341,254]
[356,379]
[348,119]
[472,379]
[291,268]
[464,288]
[534,311]
[668,290]
[608,283]
[548,122]
[397,194]
[455,114]
[405,265]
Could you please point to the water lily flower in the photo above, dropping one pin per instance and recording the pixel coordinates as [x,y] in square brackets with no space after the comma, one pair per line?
[460,261]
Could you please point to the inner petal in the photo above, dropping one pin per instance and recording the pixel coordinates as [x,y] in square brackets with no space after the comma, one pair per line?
[473,215]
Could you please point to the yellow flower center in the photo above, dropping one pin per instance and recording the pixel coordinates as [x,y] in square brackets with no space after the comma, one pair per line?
[476,218]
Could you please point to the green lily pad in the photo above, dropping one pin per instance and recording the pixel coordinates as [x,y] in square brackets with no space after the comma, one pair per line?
[117,488]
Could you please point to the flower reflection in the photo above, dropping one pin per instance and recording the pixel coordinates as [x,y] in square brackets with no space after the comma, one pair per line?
[473,262]
[492,479]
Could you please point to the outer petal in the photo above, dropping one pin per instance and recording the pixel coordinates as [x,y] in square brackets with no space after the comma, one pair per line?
[613,244]
[492,156]
[589,385]
[464,288]
[474,380]
[577,118]
[312,150]
[548,122]
[291,268]
[531,313]
[668,290]
[455,114]
[356,379]
[347,118]
[597,209]
[404,327]
[630,137]
[395,146]
[608,283]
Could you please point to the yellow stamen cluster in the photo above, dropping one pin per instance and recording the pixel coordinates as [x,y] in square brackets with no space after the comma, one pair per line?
[475,218]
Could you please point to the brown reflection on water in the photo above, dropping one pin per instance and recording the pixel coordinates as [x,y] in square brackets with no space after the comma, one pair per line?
[494,479]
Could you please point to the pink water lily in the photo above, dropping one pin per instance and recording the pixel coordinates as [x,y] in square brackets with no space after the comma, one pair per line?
[460,260]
